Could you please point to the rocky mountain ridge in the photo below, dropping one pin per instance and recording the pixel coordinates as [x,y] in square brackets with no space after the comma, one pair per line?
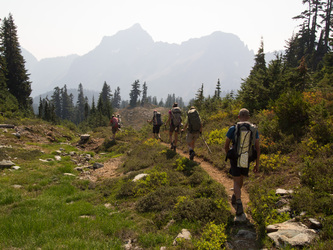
[166,68]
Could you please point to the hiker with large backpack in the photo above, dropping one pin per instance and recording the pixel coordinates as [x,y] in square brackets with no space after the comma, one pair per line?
[194,129]
[174,121]
[245,149]
[114,123]
[157,123]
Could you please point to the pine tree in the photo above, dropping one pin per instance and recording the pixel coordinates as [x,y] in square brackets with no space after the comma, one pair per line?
[66,104]
[104,101]
[116,100]
[144,94]
[135,93]
[56,101]
[93,107]
[17,77]
[218,90]
[80,105]
[199,97]
[254,89]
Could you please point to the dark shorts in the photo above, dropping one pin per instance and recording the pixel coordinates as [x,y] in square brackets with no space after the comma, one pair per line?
[156,129]
[114,130]
[174,128]
[236,171]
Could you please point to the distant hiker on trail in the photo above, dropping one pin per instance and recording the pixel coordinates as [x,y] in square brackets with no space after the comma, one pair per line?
[115,126]
[245,148]
[194,126]
[175,120]
[157,123]
[119,121]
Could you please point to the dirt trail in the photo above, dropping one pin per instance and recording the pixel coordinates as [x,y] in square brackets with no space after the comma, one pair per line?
[218,176]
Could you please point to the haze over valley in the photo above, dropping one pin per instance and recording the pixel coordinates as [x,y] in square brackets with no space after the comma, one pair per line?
[132,54]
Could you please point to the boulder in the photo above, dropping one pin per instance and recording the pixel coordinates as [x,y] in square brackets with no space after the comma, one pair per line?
[185,234]
[291,233]
[139,177]
[6,164]
[281,191]
[315,224]
[97,165]
[7,126]
[57,158]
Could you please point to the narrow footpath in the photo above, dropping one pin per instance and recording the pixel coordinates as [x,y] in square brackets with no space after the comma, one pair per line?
[244,236]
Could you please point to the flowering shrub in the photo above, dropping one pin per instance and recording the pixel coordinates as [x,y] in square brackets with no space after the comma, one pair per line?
[153,180]
[271,162]
[219,116]
[151,142]
[313,149]
[217,136]
[213,237]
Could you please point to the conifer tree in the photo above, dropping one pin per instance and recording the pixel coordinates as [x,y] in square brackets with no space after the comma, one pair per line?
[116,100]
[17,77]
[80,105]
[135,93]
[104,101]
[144,94]
[199,97]
[254,89]
[66,104]
[93,107]
[56,100]
[218,90]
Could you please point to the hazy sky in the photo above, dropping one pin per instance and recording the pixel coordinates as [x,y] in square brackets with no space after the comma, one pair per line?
[49,28]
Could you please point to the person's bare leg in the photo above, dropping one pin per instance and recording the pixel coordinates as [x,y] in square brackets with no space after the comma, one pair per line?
[238,184]
[176,139]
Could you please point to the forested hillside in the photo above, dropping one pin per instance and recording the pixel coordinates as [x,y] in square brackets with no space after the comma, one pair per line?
[65,189]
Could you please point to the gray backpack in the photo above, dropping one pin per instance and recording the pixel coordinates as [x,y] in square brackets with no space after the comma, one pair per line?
[194,121]
[176,114]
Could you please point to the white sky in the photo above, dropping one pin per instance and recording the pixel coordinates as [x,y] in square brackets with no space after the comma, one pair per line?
[50,28]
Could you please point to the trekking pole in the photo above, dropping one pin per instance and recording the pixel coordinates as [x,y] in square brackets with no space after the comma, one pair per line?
[181,135]
[205,143]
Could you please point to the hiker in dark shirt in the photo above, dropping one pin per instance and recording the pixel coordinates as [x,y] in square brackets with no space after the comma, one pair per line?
[194,125]
[174,121]
[237,171]
[157,123]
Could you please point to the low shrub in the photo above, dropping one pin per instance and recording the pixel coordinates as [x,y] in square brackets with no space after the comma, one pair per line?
[272,162]
[164,198]
[213,237]
[201,209]
[263,209]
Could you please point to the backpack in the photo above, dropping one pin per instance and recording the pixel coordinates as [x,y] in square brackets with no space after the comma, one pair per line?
[245,135]
[157,120]
[114,122]
[194,120]
[176,114]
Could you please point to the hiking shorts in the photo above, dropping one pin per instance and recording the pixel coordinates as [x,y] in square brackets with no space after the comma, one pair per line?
[236,171]
[156,129]
[192,136]
[114,130]
[174,128]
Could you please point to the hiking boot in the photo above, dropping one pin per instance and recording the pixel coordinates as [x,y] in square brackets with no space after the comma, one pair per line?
[233,200]
[239,207]
[171,145]
[174,148]
[192,154]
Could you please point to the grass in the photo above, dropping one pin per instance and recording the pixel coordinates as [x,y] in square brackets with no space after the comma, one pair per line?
[51,210]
